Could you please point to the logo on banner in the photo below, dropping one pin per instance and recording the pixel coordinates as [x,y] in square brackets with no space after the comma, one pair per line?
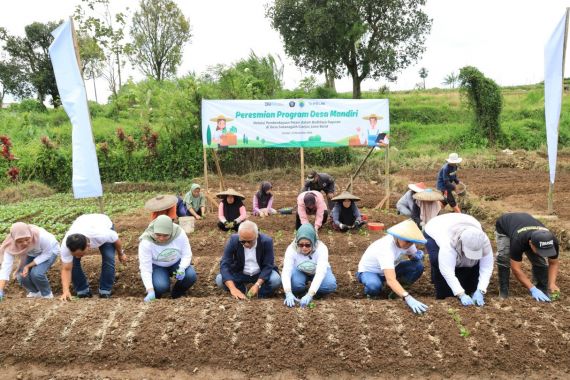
[291,104]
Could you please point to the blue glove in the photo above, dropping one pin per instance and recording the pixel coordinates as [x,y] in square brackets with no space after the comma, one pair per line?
[538,295]
[306,300]
[1,295]
[150,296]
[416,306]
[290,299]
[179,274]
[478,298]
[466,300]
[418,256]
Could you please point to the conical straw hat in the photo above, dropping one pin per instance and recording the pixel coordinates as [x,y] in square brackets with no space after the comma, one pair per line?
[428,195]
[346,195]
[221,117]
[408,231]
[373,115]
[161,202]
[230,191]
[417,187]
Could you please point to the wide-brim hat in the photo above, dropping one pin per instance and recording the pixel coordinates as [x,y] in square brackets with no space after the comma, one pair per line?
[161,202]
[230,191]
[221,117]
[373,115]
[417,187]
[428,195]
[408,231]
[345,195]
[454,158]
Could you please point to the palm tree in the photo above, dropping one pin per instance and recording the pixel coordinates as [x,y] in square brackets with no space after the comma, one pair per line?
[423,74]
[451,80]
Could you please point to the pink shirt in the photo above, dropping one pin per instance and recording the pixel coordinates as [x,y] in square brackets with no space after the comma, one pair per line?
[256,204]
[321,207]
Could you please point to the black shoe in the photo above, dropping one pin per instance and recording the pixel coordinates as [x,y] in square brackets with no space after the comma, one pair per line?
[85,295]
[104,296]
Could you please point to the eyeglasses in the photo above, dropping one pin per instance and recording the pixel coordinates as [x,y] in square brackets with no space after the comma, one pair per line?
[304,245]
[244,242]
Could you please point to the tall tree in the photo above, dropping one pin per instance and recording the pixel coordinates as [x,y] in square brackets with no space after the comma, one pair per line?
[159,31]
[451,80]
[30,53]
[92,59]
[364,38]
[423,74]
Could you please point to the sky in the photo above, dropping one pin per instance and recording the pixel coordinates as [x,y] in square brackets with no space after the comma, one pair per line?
[504,39]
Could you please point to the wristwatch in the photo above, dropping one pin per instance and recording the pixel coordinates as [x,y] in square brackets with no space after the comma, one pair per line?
[404,295]
[258,285]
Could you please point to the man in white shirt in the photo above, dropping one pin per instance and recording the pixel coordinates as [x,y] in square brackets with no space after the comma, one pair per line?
[88,232]
[248,259]
[461,258]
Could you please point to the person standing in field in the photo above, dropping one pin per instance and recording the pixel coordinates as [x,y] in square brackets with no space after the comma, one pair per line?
[321,182]
[37,250]
[88,232]
[461,258]
[311,203]
[447,180]
[394,260]
[517,233]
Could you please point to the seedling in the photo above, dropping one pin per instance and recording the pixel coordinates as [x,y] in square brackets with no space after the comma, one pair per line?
[555,295]
[463,331]
[312,305]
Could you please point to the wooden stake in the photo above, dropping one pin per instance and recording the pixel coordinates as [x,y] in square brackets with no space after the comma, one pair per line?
[387,177]
[349,188]
[302,153]
[205,158]
[219,169]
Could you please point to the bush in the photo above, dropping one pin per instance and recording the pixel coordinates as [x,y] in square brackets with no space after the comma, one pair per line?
[29,105]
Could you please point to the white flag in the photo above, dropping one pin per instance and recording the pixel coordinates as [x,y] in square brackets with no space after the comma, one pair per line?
[86,179]
[553,75]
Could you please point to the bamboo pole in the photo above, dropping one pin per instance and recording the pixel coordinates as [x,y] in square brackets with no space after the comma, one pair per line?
[302,153]
[349,188]
[205,158]
[387,177]
[219,169]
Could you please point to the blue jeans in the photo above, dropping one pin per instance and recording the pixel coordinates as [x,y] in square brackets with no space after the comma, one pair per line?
[407,272]
[107,278]
[299,282]
[36,280]
[161,280]
[240,279]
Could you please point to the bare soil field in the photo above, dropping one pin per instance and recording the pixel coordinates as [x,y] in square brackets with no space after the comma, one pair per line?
[208,334]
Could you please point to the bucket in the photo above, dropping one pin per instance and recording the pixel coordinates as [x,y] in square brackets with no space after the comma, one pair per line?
[372,226]
[187,223]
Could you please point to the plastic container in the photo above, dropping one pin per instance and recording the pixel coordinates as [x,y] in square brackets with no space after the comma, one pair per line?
[372,226]
[187,223]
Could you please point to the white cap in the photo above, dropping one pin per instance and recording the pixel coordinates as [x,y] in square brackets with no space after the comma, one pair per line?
[472,242]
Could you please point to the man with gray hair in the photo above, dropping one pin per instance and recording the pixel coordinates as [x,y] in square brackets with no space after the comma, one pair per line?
[248,259]
[461,258]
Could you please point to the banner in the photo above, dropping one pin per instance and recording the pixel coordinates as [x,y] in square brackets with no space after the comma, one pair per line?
[309,123]
[553,75]
[86,180]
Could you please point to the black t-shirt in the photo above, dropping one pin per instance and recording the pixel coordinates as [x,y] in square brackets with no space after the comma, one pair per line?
[518,226]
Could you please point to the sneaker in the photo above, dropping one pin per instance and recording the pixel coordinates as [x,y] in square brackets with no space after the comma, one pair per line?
[85,295]
[34,295]
[105,296]
[48,297]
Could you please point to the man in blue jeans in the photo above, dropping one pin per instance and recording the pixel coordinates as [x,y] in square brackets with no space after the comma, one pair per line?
[248,259]
[394,260]
[88,232]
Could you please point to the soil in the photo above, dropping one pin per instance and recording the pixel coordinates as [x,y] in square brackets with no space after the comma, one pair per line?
[209,334]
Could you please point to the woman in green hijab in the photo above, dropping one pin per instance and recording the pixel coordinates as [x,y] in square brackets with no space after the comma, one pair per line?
[195,202]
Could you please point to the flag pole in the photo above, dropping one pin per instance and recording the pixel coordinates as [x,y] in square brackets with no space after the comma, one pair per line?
[551,184]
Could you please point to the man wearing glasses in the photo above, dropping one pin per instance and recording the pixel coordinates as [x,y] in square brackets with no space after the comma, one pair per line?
[248,259]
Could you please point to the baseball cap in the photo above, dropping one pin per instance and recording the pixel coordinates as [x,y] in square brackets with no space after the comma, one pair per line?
[312,175]
[543,240]
[472,242]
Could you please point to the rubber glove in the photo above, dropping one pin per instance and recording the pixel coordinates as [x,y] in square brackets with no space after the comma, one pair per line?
[418,256]
[150,296]
[306,300]
[1,295]
[341,226]
[416,306]
[478,298]
[466,300]
[179,274]
[290,299]
[229,225]
[538,295]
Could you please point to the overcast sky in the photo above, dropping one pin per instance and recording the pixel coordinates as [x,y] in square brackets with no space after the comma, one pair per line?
[503,38]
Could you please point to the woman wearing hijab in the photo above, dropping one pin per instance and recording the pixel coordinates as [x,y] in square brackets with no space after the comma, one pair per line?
[263,200]
[37,250]
[345,213]
[195,202]
[306,259]
[231,211]
[164,251]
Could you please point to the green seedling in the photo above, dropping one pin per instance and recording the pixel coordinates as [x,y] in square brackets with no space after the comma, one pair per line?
[463,331]
[312,305]
[249,294]
[555,295]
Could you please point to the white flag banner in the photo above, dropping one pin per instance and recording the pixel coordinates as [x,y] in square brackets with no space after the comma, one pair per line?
[86,179]
[553,76]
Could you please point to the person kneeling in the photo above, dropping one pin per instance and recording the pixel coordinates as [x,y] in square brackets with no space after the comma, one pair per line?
[306,259]
[164,251]
[383,262]
[345,213]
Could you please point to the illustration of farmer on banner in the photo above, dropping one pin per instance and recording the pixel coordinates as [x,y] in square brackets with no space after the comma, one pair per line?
[375,135]
[222,136]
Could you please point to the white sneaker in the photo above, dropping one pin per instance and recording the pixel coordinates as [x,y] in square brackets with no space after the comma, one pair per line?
[34,295]
[49,296]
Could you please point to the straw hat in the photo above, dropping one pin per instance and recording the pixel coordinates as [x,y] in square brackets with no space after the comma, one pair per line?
[454,158]
[161,202]
[428,195]
[345,195]
[221,117]
[408,231]
[230,191]
[417,187]
[373,115]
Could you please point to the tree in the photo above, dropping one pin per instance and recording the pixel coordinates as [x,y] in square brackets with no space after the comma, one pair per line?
[364,38]
[92,59]
[159,31]
[451,80]
[30,53]
[423,74]
[12,81]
